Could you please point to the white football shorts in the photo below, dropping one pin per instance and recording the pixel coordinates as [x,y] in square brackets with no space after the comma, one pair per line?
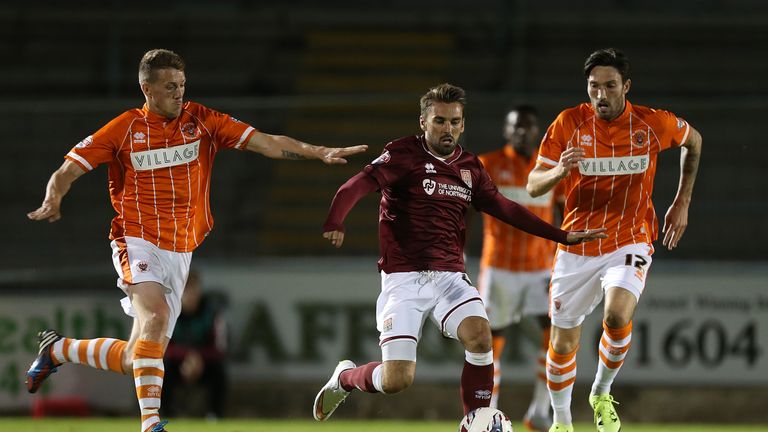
[579,282]
[511,295]
[407,299]
[137,260]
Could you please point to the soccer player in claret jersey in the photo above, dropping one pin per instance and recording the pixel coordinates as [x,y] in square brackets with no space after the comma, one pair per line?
[427,183]
[160,159]
[604,152]
[515,266]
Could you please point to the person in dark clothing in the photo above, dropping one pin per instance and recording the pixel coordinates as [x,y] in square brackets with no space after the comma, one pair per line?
[197,353]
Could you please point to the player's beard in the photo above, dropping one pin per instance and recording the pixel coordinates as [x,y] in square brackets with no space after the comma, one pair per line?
[444,146]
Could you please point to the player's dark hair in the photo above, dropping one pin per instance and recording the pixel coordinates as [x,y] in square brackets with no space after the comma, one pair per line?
[445,93]
[158,59]
[608,57]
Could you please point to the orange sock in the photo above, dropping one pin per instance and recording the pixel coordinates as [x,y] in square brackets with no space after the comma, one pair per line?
[148,373]
[101,353]
[561,374]
[613,348]
[498,347]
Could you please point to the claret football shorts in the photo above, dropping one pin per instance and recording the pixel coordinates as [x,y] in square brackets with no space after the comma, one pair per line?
[407,299]
[137,260]
[511,295]
[579,282]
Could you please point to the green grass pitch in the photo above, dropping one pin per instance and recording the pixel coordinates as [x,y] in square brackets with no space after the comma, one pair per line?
[131,425]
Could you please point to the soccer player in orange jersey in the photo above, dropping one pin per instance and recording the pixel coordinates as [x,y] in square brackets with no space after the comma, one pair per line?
[160,159]
[604,153]
[515,266]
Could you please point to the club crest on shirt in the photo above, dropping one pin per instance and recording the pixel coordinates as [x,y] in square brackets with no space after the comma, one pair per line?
[639,138]
[429,186]
[190,130]
[142,266]
[466,176]
[383,158]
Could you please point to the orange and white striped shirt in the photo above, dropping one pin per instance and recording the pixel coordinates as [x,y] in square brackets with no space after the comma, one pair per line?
[160,171]
[613,185]
[504,246]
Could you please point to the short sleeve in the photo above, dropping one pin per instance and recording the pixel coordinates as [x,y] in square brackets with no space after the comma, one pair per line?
[675,129]
[390,166]
[102,146]
[227,131]
[553,143]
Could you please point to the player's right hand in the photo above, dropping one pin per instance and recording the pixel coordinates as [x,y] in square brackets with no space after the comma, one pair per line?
[47,211]
[570,158]
[336,237]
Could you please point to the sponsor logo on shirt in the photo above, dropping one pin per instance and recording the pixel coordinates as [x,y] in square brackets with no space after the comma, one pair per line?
[586,140]
[430,168]
[429,186]
[454,191]
[614,165]
[466,177]
[387,326]
[383,158]
[85,143]
[165,157]
[139,137]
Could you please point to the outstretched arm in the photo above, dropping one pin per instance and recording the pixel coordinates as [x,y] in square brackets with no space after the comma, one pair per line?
[541,179]
[285,147]
[521,218]
[676,219]
[58,186]
[346,197]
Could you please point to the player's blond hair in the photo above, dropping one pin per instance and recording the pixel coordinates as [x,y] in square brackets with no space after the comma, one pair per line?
[158,59]
[445,93]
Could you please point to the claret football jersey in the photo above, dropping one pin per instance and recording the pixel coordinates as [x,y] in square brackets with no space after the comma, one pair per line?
[424,200]
[160,171]
[612,186]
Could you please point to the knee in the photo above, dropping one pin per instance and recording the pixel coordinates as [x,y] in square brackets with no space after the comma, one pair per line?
[564,345]
[479,341]
[615,320]
[396,384]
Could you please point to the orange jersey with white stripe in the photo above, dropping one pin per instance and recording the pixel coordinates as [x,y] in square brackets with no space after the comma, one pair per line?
[613,185]
[504,246]
[160,171]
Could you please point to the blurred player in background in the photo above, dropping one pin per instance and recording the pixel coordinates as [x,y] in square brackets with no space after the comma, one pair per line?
[197,353]
[427,184]
[515,267]
[160,159]
[604,152]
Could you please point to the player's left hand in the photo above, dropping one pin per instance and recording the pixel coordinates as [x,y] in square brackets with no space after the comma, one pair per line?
[48,211]
[576,237]
[336,155]
[675,222]
[336,237]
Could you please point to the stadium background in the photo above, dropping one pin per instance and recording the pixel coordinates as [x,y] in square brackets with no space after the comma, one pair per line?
[339,74]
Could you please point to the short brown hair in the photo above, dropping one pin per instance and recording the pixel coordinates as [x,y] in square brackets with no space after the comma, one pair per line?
[445,93]
[158,59]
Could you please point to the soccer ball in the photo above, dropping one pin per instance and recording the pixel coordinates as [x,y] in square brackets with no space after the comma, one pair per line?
[485,420]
